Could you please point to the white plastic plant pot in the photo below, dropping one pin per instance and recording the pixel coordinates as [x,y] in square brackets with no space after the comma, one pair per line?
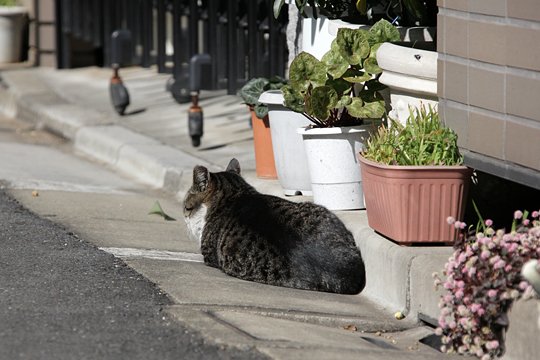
[316,38]
[331,153]
[411,76]
[12,22]
[289,155]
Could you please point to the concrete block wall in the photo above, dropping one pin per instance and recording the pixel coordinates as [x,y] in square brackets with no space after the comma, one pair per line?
[489,83]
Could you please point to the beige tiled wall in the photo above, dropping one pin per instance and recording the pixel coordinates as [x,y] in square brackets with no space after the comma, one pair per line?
[489,83]
[42,32]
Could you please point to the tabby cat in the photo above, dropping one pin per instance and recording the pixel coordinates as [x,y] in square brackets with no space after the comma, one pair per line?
[267,239]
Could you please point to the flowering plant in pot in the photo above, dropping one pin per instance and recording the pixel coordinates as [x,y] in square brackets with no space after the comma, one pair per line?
[414,179]
[262,140]
[482,279]
[337,95]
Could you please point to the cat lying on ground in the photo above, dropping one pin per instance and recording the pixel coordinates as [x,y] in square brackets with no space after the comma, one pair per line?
[267,239]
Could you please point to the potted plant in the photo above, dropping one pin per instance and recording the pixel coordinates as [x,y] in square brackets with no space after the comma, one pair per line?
[399,12]
[262,140]
[482,280]
[414,19]
[414,179]
[13,20]
[290,157]
[340,96]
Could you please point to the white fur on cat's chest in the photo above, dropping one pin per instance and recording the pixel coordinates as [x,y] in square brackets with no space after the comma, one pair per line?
[195,223]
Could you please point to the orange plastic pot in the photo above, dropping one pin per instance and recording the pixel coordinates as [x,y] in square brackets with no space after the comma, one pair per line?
[265,166]
[411,204]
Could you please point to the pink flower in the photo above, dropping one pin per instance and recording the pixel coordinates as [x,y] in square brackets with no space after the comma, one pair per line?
[459,294]
[489,222]
[494,259]
[450,220]
[442,323]
[475,307]
[512,247]
[485,254]
[535,214]
[481,311]
[518,215]
[491,345]
[499,264]
[492,293]
[526,222]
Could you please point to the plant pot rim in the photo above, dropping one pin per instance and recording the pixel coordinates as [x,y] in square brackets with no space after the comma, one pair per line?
[12,10]
[274,97]
[411,167]
[306,130]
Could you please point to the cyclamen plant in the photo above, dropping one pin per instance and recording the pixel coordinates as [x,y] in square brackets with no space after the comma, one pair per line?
[482,280]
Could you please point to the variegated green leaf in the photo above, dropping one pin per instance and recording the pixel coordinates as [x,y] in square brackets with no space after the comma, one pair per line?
[371,66]
[336,65]
[341,86]
[305,70]
[353,45]
[292,99]
[323,99]
[383,31]
[356,76]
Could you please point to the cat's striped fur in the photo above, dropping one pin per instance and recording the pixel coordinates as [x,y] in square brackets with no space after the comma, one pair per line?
[268,239]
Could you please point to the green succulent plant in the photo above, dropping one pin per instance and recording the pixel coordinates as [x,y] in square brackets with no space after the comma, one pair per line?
[342,88]
[253,89]
[423,140]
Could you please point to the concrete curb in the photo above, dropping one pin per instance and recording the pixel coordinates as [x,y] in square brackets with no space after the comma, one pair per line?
[97,136]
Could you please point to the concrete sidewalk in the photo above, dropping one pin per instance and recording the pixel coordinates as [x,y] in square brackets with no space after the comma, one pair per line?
[151,144]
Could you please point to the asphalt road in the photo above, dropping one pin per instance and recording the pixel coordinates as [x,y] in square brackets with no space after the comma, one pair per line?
[62,298]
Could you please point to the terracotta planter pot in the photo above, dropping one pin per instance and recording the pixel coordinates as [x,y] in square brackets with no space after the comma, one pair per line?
[410,204]
[265,166]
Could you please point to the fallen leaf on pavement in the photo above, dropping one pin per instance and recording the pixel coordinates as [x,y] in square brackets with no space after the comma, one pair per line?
[158,210]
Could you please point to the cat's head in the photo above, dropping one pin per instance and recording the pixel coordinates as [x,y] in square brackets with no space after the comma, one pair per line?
[209,186]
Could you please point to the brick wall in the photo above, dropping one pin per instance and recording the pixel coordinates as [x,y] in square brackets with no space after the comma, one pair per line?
[489,83]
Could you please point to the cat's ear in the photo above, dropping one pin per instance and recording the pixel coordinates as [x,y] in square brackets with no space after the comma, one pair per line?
[234,166]
[200,177]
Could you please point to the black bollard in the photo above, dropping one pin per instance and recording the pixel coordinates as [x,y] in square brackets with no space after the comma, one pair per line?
[195,120]
[121,53]
[118,92]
